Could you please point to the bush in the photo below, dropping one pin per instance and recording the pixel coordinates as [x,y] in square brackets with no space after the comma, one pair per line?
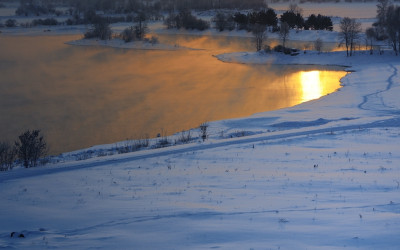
[184,137]
[47,22]
[101,29]
[133,145]
[7,156]
[318,45]
[281,49]
[11,23]
[30,148]
[128,34]
[154,40]
[203,131]
[185,20]
[223,22]
[34,9]
[267,49]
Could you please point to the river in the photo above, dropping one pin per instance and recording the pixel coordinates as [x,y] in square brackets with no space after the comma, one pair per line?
[84,96]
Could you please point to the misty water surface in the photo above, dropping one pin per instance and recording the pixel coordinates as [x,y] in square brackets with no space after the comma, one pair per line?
[83,96]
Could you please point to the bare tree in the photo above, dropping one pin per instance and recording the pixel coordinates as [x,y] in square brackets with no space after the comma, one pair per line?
[349,32]
[382,8]
[203,130]
[7,156]
[260,35]
[393,27]
[284,32]
[318,45]
[141,26]
[31,147]
[370,35]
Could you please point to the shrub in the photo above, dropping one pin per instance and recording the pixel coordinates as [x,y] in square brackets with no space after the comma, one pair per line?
[7,156]
[11,23]
[318,45]
[133,145]
[34,9]
[185,20]
[47,21]
[101,29]
[128,34]
[223,22]
[281,49]
[203,131]
[30,148]
[154,40]
[184,137]
[241,20]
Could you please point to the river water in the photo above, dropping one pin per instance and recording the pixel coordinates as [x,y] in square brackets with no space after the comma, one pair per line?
[84,96]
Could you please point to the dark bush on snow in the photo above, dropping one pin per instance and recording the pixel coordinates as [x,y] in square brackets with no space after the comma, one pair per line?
[47,22]
[281,49]
[185,20]
[100,29]
[10,23]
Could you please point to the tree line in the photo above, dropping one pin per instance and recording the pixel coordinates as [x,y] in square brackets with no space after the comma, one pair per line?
[38,7]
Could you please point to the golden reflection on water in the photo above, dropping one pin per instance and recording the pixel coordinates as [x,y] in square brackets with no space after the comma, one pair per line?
[84,96]
[311,85]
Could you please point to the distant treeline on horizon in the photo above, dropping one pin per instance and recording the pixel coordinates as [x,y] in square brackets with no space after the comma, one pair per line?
[166,5]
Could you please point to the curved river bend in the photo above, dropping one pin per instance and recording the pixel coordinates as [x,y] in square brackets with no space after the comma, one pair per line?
[84,96]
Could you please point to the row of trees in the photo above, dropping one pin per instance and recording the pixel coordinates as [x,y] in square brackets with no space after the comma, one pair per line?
[185,19]
[296,20]
[258,22]
[77,7]
[28,149]
[36,7]
[269,18]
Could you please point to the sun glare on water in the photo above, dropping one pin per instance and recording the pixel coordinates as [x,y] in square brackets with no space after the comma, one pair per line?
[311,85]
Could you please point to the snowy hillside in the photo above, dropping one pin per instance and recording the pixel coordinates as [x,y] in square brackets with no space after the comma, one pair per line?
[324,174]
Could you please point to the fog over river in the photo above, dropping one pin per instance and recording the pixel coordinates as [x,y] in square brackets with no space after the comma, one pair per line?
[83,96]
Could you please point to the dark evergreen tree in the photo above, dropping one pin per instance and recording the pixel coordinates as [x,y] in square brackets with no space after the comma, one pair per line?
[293,20]
[319,22]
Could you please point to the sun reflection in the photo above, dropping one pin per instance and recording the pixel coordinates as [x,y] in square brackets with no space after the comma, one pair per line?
[311,85]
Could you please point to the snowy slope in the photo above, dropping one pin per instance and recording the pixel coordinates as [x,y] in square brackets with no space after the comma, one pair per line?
[321,175]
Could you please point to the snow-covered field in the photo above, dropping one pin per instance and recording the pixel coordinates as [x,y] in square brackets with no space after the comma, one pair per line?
[321,175]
